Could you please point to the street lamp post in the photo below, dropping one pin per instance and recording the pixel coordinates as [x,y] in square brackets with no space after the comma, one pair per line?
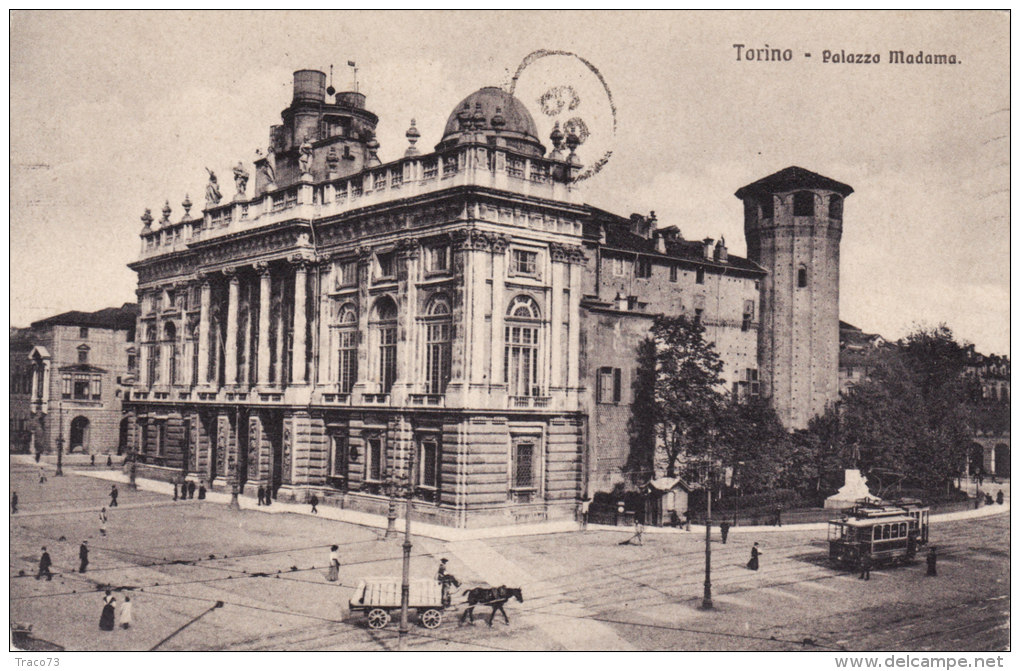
[391,511]
[233,462]
[706,602]
[405,581]
[60,438]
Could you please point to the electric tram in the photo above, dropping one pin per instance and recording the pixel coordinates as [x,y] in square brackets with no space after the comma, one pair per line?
[891,532]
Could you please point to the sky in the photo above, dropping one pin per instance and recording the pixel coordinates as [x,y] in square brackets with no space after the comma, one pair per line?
[115,112]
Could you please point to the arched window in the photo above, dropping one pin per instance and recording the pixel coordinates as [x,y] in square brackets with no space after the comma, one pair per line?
[802,277]
[347,347]
[438,344]
[521,348]
[803,204]
[835,206]
[385,325]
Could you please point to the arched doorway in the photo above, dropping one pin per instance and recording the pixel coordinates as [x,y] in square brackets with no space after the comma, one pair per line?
[1002,460]
[122,440]
[79,434]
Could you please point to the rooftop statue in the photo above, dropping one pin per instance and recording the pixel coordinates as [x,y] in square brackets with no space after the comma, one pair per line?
[241,178]
[212,189]
[305,161]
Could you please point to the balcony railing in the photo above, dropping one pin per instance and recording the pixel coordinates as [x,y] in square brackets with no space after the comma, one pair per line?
[519,402]
[430,400]
[376,399]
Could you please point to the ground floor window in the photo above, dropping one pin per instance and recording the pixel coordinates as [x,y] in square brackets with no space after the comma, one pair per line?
[338,460]
[374,458]
[523,467]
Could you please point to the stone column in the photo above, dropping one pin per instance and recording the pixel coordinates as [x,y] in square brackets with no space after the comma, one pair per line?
[230,353]
[499,306]
[265,296]
[324,316]
[299,365]
[204,333]
[556,344]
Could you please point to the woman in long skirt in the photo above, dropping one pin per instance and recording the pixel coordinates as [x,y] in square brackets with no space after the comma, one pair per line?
[334,564]
[106,620]
[753,563]
[125,613]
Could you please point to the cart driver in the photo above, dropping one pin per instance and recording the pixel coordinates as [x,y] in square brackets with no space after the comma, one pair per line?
[445,580]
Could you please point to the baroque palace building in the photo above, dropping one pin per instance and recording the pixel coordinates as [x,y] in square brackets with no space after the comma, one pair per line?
[458,318]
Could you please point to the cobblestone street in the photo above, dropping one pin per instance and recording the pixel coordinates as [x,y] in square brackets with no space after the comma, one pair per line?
[581,590]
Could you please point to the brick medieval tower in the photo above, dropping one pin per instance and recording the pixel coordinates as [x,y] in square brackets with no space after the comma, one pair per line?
[793,222]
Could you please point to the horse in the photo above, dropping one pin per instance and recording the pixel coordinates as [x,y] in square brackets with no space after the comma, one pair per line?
[495,597]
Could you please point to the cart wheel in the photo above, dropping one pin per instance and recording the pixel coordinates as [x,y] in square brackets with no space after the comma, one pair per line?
[378,618]
[431,618]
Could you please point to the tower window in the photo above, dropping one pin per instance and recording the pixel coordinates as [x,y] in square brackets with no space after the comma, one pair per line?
[643,268]
[767,208]
[802,277]
[803,204]
[699,276]
[673,273]
[835,207]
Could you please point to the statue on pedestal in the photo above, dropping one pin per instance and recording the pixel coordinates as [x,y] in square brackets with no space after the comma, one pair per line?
[212,190]
[305,160]
[241,178]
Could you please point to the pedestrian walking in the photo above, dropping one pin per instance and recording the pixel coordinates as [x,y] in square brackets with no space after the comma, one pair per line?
[113,496]
[687,520]
[865,564]
[125,613]
[637,538]
[314,501]
[201,491]
[191,489]
[42,475]
[92,460]
[932,560]
[83,555]
[999,498]
[109,461]
[175,491]
[753,561]
[269,490]
[724,530]
[779,516]
[980,478]
[102,522]
[334,563]
[585,505]
[262,494]
[44,565]
[14,502]
[108,617]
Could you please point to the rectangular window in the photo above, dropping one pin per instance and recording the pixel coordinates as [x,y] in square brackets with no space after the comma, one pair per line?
[520,361]
[673,272]
[437,258]
[643,268]
[97,387]
[374,468]
[83,355]
[68,386]
[745,323]
[83,332]
[387,357]
[523,466]
[428,473]
[618,267]
[338,460]
[524,262]
[700,276]
[347,274]
[81,386]
[160,438]
[609,385]
[386,266]
[437,356]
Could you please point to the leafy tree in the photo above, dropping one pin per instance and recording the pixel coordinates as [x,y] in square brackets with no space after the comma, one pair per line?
[644,419]
[688,401]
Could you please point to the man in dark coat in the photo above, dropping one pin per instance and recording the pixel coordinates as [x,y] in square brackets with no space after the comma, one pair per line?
[865,566]
[262,494]
[315,502]
[14,502]
[83,555]
[44,565]
[724,530]
[753,561]
[113,496]
[201,491]
[175,491]
[999,498]
[191,489]
[932,559]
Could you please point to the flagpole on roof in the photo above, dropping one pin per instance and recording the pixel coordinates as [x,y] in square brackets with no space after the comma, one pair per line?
[355,66]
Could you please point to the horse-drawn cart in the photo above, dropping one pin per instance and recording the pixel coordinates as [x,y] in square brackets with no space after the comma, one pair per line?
[379,597]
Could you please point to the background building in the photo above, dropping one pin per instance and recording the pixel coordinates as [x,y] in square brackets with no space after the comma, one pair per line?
[71,370]
[455,319]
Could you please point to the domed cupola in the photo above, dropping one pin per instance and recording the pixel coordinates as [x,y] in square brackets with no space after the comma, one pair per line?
[493,116]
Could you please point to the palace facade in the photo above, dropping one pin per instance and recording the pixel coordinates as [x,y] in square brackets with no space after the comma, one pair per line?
[458,319]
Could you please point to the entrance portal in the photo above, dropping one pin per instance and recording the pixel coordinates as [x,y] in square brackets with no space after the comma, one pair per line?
[79,434]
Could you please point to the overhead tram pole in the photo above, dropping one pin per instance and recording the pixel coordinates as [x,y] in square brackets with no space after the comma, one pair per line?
[60,438]
[706,602]
[405,581]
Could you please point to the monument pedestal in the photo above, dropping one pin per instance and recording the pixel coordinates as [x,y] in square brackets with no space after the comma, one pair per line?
[854,489]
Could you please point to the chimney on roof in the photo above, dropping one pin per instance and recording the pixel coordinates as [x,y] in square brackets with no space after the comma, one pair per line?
[707,242]
[660,241]
[721,254]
